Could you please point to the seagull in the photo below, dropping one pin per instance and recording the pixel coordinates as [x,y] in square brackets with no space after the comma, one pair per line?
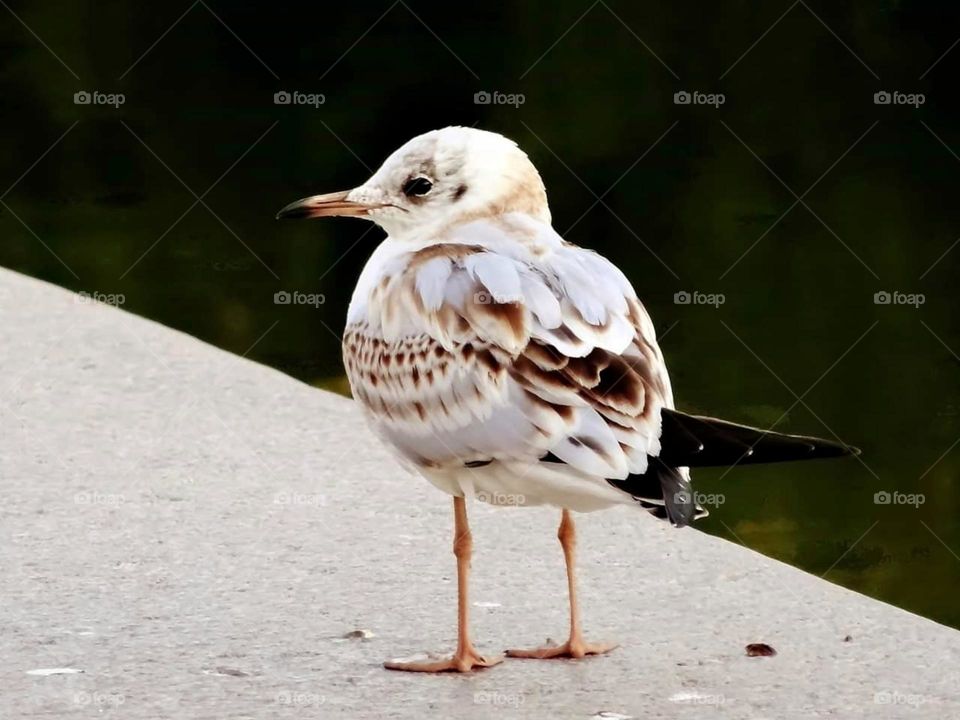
[506,364]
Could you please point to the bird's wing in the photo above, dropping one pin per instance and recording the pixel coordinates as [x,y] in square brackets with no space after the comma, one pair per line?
[470,354]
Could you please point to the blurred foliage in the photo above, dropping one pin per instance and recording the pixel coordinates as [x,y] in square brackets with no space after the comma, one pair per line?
[115,200]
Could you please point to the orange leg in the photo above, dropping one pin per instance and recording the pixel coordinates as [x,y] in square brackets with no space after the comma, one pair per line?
[575,646]
[466,657]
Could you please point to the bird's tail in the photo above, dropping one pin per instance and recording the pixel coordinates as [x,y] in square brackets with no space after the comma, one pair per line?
[688,441]
[696,441]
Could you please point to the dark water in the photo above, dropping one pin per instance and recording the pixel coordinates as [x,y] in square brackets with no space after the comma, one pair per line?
[692,198]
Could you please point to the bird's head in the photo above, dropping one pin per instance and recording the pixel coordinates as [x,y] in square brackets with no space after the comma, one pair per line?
[437,180]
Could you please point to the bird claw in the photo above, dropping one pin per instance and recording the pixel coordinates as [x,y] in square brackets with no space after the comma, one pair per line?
[462,662]
[575,648]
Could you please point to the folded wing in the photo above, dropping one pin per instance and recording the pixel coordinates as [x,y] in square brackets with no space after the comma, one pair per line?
[471,352]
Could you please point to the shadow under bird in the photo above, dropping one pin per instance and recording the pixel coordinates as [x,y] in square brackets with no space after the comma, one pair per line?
[500,361]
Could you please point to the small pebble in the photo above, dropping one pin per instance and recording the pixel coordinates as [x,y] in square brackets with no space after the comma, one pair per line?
[760,650]
[358,635]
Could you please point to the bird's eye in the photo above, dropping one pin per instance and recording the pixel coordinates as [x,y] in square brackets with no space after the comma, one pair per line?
[417,186]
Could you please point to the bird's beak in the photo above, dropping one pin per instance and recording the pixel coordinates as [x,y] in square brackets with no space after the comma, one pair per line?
[324,206]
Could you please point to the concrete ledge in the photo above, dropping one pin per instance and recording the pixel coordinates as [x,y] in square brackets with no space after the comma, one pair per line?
[197,533]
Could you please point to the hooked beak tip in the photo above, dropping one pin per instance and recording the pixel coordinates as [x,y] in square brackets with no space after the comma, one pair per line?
[293,211]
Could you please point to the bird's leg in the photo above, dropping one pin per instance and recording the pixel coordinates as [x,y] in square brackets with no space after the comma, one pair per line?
[575,646]
[466,657]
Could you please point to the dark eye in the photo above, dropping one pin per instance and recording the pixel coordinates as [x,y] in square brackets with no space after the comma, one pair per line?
[417,186]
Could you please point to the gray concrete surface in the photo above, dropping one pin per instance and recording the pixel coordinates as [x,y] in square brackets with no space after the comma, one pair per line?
[195,534]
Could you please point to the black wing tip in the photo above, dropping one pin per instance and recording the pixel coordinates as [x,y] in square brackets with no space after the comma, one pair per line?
[828,449]
[702,441]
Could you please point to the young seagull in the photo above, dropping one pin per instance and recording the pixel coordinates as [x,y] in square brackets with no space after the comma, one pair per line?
[503,362]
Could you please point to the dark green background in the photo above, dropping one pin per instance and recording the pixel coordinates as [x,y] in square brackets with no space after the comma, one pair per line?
[198,101]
